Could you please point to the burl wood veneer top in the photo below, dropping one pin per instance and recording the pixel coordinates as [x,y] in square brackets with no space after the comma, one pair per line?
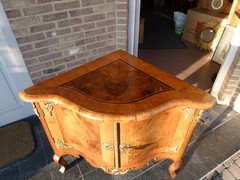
[118,87]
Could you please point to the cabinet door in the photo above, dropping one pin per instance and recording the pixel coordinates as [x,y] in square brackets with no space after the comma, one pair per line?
[143,141]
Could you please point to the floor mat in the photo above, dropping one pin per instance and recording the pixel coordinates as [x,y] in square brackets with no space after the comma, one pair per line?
[16,142]
[158,34]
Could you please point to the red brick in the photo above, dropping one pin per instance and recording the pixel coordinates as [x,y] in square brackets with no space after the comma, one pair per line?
[39,66]
[64,60]
[50,56]
[80,12]
[76,63]
[37,10]
[66,5]
[84,41]
[95,32]
[106,36]
[46,42]
[112,28]
[111,14]
[36,74]
[122,27]
[122,14]
[58,32]
[11,4]
[107,22]
[71,37]
[84,55]
[95,17]
[53,69]
[42,27]
[61,47]
[122,6]
[69,22]
[96,45]
[104,8]
[31,38]
[55,16]
[84,27]
[26,47]
[30,62]
[31,54]
[25,21]
[107,49]
[20,32]
[45,1]
[122,21]
[92,2]
[13,14]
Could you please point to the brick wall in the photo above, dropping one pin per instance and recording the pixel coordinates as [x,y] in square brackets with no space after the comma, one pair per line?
[230,88]
[57,35]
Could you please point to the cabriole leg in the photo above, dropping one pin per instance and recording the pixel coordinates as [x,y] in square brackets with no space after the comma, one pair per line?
[60,161]
[173,167]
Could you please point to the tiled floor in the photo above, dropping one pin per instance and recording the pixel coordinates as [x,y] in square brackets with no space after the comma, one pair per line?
[190,64]
[212,143]
[230,169]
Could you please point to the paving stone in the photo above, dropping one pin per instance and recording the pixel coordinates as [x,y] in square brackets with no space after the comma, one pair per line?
[225,113]
[235,170]
[44,173]
[196,165]
[156,172]
[236,156]
[238,162]
[209,116]
[227,175]
[72,171]
[220,144]
[84,166]
[97,174]
[201,129]
[228,163]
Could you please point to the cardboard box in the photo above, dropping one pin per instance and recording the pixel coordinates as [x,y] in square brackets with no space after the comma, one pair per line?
[141,31]
[196,17]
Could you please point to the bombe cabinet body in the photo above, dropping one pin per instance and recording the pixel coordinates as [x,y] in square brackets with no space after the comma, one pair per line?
[119,113]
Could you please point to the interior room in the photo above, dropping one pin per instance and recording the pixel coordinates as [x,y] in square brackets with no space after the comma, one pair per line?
[177,52]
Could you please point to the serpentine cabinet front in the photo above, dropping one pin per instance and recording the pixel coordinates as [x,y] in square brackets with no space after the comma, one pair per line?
[117,147]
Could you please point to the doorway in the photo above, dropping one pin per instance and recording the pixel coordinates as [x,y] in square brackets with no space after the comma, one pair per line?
[189,63]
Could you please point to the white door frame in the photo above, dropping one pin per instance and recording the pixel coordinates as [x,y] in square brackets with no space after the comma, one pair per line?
[14,72]
[234,46]
[133,26]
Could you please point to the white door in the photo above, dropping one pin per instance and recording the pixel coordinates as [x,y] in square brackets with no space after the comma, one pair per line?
[13,76]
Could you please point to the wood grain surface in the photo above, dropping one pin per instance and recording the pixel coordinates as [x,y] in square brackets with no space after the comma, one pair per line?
[119,113]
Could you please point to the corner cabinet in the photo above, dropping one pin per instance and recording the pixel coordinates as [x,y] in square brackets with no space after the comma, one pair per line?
[118,112]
